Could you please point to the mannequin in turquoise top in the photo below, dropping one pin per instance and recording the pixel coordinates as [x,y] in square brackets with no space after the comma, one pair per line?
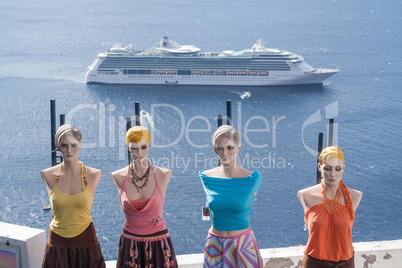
[230,189]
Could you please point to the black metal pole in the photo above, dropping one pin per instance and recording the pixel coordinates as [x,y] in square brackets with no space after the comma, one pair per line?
[62,122]
[220,120]
[320,139]
[229,112]
[128,125]
[53,130]
[331,132]
[137,114]
[220,123]
[62,119]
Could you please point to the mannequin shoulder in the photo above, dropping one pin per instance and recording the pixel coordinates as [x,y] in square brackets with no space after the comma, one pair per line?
[120,172]
[356,197]
[310,196]
[118,175]
[163,173]
[214,172]
[243,173]
[355,193]
[93,173]
[93,176]
[312,190]
[49,175]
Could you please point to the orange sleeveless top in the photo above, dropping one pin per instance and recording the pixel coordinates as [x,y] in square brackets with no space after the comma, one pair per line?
[330,227]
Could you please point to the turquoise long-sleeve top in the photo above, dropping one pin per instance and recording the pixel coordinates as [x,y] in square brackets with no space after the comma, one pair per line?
[230,200]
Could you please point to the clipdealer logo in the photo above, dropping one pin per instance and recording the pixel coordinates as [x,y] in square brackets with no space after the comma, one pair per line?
[331,111]
[113,128]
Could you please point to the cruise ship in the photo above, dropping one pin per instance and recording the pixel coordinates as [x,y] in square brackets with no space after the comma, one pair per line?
[173,64]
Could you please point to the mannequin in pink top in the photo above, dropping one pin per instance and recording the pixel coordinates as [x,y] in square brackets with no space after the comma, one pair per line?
[145,241]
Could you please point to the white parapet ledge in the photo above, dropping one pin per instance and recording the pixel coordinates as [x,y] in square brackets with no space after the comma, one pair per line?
[31,243]
[367,255]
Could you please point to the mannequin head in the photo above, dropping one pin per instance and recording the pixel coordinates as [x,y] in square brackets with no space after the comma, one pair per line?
[228,132]
[66,131]
[332,151]
[226,143]
[68,142]
[138,141]
[331,165]
[137,133]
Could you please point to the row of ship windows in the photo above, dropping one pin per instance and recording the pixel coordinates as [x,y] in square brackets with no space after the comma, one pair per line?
[192,73]
[194,66]
[196,76]
[272,68]
[200,78]
[192,61]
[150,67]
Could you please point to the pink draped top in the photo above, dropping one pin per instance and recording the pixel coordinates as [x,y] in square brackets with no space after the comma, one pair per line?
[149,219]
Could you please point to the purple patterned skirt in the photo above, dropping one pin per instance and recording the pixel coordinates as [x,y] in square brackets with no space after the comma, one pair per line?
[146,251]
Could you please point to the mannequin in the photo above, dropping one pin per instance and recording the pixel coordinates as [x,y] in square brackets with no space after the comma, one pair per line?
[71,187]
[333,205]
[230,193]
[142,187]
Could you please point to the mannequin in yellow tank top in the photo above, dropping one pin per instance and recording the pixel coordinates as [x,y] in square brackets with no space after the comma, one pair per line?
[71,187]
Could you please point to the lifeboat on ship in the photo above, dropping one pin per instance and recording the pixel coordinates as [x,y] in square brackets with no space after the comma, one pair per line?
[208,72]
[242,73]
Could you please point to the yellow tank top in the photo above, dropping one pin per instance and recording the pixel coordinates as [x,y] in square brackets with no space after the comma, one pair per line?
[71,213]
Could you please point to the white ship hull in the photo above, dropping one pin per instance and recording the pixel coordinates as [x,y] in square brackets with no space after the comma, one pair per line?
[172,64]
[316,77]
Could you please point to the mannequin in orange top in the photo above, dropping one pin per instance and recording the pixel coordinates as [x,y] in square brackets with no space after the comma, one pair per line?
[329,214]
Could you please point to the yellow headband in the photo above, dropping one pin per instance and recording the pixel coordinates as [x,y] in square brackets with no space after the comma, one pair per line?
[137,133]
[332,151]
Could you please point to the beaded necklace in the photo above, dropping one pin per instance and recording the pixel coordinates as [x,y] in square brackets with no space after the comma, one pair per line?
[135,178]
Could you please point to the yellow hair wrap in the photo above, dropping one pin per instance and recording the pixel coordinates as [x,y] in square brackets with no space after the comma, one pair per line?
[332,151]
[137,133]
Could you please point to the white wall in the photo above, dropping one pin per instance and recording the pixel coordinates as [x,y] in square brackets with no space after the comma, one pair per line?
[30,241]
[367,255]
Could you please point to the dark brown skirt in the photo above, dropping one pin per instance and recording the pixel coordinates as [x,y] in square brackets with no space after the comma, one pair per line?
[154,250]
[310,262]
[82,251]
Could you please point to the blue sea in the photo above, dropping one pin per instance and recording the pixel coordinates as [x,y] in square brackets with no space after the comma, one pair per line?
[46,46]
